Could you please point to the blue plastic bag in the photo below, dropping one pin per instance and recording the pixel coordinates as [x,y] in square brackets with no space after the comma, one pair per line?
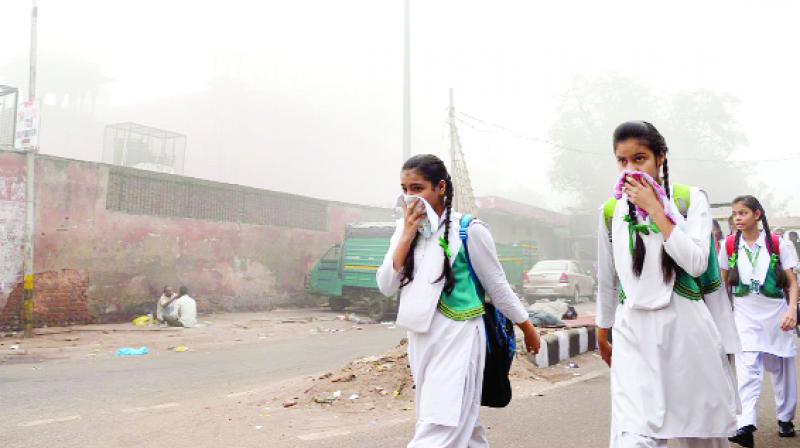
[127,351]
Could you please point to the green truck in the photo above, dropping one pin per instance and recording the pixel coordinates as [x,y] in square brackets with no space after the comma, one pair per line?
[346,273]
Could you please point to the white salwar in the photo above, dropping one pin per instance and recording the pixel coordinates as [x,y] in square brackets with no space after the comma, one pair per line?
[670,375]
[447,356]
[765,347]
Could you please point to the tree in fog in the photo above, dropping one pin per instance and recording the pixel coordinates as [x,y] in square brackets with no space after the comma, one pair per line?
[700,128]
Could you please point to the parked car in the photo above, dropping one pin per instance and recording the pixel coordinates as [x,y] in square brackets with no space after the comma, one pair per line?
[559,279]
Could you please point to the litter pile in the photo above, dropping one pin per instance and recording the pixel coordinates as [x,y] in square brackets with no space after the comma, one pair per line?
[383,380]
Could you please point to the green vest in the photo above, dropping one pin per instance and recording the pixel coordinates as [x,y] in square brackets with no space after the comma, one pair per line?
[768,289]
[686,286]
[466,300]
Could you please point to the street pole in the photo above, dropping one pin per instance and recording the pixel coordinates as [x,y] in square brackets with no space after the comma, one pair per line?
[30,210]
[407,81]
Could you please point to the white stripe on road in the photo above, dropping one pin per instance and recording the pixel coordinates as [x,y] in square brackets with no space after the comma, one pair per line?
[47,421]
[323,435]
[151,408]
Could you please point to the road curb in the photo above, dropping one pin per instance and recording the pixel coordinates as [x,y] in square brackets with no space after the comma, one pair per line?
[565,344]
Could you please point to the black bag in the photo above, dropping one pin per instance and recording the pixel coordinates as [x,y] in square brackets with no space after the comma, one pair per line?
[501,341]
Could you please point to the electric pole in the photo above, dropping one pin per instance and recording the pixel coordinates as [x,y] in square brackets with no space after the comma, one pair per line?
[30,210]
[407,81]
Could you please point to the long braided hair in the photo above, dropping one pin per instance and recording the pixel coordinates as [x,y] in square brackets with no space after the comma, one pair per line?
[648,135]
[755,206]
[433,170]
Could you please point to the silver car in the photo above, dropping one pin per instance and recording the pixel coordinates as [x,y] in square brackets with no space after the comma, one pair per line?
[559,278]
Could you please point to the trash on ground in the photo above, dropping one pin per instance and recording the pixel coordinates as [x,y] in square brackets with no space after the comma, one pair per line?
[326,399]
[181,349]
[143,321]
[128,351]
[573,365]
[358,320]
[14,347]
[344,378]
[544,319]
[570,314]
[353,397]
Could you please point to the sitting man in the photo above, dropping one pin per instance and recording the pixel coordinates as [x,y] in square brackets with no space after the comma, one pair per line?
[167,297]
[181,312]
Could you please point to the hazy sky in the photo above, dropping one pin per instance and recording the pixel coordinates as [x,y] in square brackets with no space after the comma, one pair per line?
[330,72]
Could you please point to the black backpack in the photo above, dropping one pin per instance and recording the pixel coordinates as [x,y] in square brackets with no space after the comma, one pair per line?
[501,342]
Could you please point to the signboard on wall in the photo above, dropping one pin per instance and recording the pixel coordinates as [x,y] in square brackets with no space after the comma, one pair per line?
[26,136]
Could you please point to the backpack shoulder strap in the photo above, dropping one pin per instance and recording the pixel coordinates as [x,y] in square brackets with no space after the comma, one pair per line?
[681,194]
[608,212]
[729,249]
[463,233]
[776,243]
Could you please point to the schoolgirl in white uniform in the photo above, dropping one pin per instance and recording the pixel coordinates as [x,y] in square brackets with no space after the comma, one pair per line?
[441,309]
[757,267]
[670,376]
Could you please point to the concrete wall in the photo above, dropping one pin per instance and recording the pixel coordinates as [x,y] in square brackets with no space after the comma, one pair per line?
[129,256]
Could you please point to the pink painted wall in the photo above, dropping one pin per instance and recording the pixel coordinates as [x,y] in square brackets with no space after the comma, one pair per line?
[130,257]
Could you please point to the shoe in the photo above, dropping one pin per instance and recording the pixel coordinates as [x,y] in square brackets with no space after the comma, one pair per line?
[786,429]
[744,436]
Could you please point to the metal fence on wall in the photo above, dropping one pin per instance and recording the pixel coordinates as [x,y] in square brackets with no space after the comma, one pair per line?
[9,97]
[179,197]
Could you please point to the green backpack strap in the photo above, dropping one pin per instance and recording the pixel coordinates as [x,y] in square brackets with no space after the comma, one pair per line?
[608,213]
[681,194]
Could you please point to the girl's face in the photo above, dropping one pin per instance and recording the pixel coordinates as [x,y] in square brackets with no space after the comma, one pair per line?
[413,183]
[632,155]
[744,218]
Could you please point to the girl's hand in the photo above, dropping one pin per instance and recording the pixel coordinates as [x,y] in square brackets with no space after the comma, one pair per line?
[413,215]
[603,345]
[789,320]
[532,341]
[642,194]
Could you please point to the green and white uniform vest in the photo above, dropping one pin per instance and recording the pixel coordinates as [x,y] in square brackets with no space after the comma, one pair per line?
[768,289]
[686,286]
[466,300]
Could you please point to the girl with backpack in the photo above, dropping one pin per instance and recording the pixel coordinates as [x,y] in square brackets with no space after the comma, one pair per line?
[757,267]
[659,293]
[441,304]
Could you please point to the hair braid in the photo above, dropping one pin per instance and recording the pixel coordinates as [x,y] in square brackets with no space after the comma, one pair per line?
[668,265]
[447,269]
[782,281]
[733,273]
[639,250]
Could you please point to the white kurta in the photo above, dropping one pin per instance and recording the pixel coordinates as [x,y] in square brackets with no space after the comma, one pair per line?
[766,348]
[447,356]
[670,376]
[181,312]
[758,317]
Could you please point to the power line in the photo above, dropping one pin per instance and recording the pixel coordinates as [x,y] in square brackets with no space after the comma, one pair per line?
[596,153]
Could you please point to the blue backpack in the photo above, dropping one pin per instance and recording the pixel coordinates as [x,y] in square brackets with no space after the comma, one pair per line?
[501,342]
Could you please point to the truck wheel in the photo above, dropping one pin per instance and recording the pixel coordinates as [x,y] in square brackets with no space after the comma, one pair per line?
[377,308]
[338,303]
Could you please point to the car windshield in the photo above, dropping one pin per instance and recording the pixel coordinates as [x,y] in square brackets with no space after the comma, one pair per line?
[546,266]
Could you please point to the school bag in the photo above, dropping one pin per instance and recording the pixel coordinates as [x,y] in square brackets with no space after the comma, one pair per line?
[501,342]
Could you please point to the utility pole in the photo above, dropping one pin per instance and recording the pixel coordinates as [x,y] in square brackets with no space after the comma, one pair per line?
[30,210]
[407,81]
[462,185]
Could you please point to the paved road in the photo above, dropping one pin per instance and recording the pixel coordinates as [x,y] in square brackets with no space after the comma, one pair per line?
[62,401]
[570,415]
